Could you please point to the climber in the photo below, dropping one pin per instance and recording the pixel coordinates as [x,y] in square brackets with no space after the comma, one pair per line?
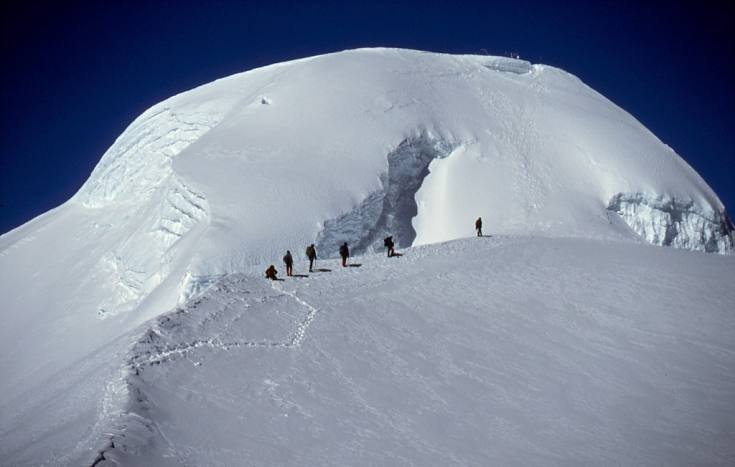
[288,259]
[388,242]
[271,272]
[344,252]
[478,226]
[311,254]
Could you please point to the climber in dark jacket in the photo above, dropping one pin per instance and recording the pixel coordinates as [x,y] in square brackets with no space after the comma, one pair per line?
[311,254]
[344,252]
[388,242]
[478,226]
[288,259]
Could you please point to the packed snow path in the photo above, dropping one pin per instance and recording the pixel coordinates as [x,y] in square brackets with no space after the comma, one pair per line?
[489,351]
[208,322]
[229,317]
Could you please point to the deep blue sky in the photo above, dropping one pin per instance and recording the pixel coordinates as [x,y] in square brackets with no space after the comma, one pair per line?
[74,75]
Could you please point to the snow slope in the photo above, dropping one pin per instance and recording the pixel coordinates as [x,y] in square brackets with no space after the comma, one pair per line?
[485,351]
[345,146]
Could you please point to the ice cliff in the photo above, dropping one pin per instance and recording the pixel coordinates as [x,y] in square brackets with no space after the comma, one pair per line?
[661,220]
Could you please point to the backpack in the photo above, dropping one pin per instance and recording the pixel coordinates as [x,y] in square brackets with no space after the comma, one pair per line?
[388,242]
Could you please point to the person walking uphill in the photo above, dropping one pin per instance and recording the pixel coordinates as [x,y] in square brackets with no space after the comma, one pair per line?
[344,252]
[311,254]
[288,259]
[478,226]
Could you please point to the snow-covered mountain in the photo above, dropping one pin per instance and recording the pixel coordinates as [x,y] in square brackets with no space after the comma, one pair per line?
[352,145]
[348,146]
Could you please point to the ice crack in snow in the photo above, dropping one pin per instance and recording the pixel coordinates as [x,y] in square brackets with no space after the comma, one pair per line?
[174,350]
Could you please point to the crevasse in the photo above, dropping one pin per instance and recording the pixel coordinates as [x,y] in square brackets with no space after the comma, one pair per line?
[389,210]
